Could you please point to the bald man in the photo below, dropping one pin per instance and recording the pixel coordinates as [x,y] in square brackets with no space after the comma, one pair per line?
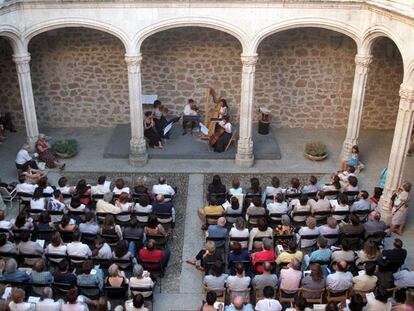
[238,305]
[340,280]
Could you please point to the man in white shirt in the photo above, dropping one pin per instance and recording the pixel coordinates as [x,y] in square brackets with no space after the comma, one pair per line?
[102,187]
[102,249]
[24,159]
[239,281]
[48,304]
[162,187]
[268,303]
[77,248]
[362,204]
[25,186]
[278,206]
[322,204]
[340,280]
[189,110]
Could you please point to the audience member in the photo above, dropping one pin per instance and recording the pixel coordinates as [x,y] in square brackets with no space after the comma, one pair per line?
[214,208]
[163,188]
[291,252]
[216,279]
[291,276]
[28,247]
[341,280]
[218,230]
[266,254]
[308,231]
[150,253]
[262,230]
[366,281]
[48,303]
[311,187]
[17,302]
[120,187]
[12,274]
[313,281]
[141,279]
[395,256]
[235,187]
[89,225]
[322,204]
[267,278]
[103,186]
[268,303]
[40,276]
[330,228]
[165,207]
[143,206]
[104,205]
[239,230]
[63,275]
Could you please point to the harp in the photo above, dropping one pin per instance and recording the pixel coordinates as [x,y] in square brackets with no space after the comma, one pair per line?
[211,113]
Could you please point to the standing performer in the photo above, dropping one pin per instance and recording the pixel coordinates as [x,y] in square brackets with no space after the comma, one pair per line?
[190,109]
[150,133]
[161,122]
[221,137]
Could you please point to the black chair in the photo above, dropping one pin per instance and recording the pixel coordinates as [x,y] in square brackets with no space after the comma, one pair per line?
[246,263]
[66,196]
[45,235]
[308,237]
[103,263]
[24,198]
[89,239]
[154,267]
[91,291]
[293,195]
[54,259]
[298,223]
[252,220]
[352,196]
[341,214]
[219,241]
[56,213]
[211,219]
[166,218]
[239,239]
[61,288]
[220,197]
[332,194]
[122,222]
[260,239]
[142,215]
[362,214]
[77,261]
[123,264]
[111,239]
[321,216]
[376,237]
[160,240]
[140,290]
[96,197]
[7,255]
[24,256]
[66,236]
[35,212]
[330,238]
[119,292]
[311,195]
[275,219]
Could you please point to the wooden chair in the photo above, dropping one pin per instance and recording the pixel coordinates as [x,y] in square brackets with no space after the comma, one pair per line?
[232,139]
[288,295]
[245,293]
[313,292]
[221,293]
[336,296]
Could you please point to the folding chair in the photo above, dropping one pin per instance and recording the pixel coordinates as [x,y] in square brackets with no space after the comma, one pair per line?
[352,196]
[8,196]
[140,290]
[61,288]
[336,296]
[362,214]
[331,194]
[24,198]
[111,239]
[297,223]
[91,291]
[275,219]
[45,235]
[321,216]
[252,220]
[288,295]
[311,195]
[308,237]
[332,239]
[315,295]
[154,267]
[221,293]
[232,139]
[54,259]
[239,239]
[340,215]
[160,240]
[113,292]
[246,263]
[211,219]
[103,263]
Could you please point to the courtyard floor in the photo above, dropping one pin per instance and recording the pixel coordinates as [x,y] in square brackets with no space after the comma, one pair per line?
[183,291]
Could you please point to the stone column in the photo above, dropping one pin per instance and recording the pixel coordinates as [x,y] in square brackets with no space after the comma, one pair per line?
[362,63]
[26,93]
[137,147]
[399,148]
[244,156]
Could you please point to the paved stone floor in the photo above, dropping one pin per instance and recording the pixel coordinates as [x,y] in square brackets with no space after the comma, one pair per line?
[186,293]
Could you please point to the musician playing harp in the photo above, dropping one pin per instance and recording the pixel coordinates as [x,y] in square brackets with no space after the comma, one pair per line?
[222,135]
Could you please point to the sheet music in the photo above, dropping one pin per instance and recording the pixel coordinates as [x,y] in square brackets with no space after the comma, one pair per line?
[203,129]
[168,128]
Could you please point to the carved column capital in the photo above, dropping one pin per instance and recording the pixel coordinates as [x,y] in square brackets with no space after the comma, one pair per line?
[249,60]
[363,60]
[134,63]
[22,63]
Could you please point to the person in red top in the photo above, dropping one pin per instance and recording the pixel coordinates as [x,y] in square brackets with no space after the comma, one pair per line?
[266,254]
[150,253]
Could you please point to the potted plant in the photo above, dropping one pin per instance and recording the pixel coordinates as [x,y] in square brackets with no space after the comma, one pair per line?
[315,151]
[65,148]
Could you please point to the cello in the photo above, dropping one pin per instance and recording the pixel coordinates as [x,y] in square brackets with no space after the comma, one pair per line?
[216,136]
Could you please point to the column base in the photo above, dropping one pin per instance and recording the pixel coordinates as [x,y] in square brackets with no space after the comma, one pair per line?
[244,161]
[383,205]
[137,153]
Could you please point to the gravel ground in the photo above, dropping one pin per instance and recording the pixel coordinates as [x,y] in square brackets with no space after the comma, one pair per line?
[172,275]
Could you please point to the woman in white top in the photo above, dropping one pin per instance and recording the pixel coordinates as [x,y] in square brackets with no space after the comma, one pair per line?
[302,206]
[37,202]
[261,231]
[239,230]
[56,247]
[226,129]
[124,205]
[342,206]
[120,187]
[224,109]
[352,184]
[143,206]
[278,206]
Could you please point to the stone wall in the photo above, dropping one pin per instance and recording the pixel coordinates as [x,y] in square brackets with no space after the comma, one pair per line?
[10,100]
[79,78]
[182,63]
[304,76]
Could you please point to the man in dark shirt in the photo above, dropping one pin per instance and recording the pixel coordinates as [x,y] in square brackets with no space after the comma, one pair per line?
[396,256]
[374,224]
[354,229]
[63,275]
[164,207]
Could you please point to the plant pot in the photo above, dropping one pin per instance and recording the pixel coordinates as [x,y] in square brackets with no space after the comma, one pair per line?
[315,158]
[66,155]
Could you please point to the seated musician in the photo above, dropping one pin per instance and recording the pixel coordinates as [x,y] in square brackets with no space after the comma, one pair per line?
[222,136]
[190,109]
[224,109]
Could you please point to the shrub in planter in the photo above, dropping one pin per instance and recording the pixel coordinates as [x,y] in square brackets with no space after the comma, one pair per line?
[316,151]
[65,148]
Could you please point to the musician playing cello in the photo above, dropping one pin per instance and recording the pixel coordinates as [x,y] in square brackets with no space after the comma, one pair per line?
[221,137]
